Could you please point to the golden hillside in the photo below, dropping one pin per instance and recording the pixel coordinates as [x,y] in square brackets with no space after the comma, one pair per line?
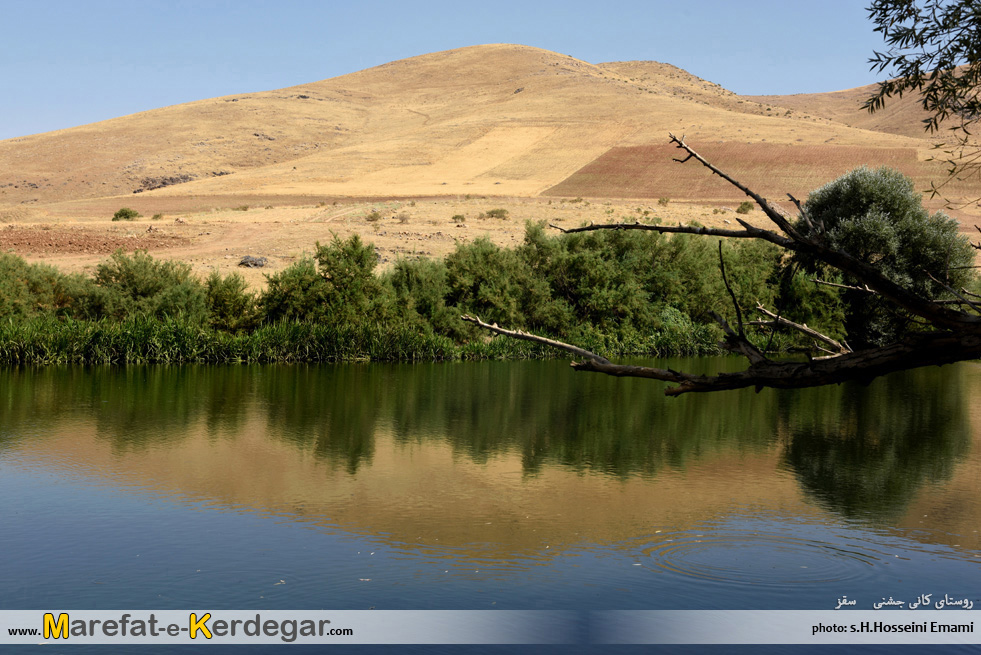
[899,116]
[503,120]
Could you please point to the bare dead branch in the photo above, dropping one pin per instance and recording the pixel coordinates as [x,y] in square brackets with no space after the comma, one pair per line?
[842,286]
[525,336]
[954,335]
[735,303]
[952,290]
[804,215]
[936,314]
[913,351]
[738,343]
[749,231]
[771,212]
[776,320]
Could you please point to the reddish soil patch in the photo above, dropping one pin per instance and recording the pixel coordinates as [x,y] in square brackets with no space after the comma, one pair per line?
[79,240]
[773,170]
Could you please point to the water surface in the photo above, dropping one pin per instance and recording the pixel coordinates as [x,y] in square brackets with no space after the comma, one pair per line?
[495,485]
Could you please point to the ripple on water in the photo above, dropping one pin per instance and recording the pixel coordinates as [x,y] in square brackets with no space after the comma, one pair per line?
[766,556]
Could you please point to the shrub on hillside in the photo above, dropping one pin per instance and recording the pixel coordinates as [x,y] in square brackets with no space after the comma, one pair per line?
[126,214]
[745,207]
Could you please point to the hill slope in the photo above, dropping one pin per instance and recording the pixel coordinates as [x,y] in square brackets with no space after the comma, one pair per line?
[903,116]
[496,119]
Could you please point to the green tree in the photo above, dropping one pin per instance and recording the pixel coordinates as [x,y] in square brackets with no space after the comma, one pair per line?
[876,216]
[231,307]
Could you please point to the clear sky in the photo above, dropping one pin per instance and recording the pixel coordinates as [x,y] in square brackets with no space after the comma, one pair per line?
[71,62]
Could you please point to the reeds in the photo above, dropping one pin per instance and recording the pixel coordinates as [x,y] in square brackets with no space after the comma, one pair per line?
[147,340]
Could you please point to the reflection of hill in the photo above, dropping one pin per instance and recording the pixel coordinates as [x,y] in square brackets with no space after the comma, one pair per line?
[500,459]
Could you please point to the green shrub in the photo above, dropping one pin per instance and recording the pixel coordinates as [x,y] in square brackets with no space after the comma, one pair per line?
[663,202]
[26,289]
[140,284]
[231,307]
[876,216]
[420,288]
[30,290]
[337,284]
[496,284]
[745,207]
[297,293]
[497,213]
[596,279]
[126,214]
[355,291]
[459,219]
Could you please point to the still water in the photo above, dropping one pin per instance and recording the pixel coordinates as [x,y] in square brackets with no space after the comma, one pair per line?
[495,485]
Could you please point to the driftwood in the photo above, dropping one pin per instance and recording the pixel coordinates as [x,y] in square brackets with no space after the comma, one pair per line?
[955,334]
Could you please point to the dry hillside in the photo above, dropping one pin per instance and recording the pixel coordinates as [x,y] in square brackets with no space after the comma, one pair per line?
[899,116]
[496,119]
[460,132]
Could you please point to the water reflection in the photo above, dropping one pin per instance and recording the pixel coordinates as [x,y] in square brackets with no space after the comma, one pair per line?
[868,451]
[501,459]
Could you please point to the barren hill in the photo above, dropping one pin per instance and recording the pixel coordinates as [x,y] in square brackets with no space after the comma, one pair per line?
[899,116]
[502,120]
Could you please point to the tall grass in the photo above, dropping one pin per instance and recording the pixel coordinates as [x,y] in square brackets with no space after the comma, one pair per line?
[145,340]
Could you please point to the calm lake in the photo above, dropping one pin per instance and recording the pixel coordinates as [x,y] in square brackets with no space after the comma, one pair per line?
[492,485]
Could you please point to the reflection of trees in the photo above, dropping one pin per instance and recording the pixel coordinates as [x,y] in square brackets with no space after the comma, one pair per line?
[866,451]
[131,406]
[861,451]
[333,409]
[597,424]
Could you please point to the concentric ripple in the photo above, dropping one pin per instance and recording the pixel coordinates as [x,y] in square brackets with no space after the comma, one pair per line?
[758,557]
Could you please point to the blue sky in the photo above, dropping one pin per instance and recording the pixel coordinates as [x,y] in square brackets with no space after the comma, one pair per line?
[67,63]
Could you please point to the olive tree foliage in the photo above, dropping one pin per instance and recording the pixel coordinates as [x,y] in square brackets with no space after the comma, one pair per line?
[902,274]
[934,50]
